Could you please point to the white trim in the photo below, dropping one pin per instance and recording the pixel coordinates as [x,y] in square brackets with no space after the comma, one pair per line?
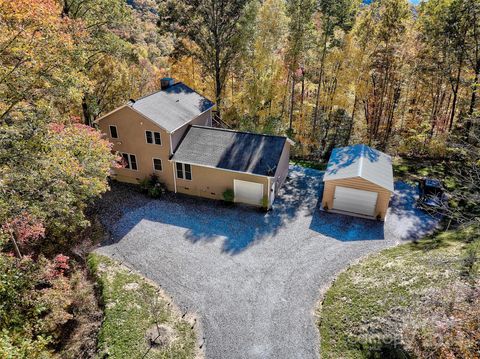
[153,138]
[116,130]
[186,123]
[222,169]
[237,183]
[184,171]
[149,119]
[153,164]
[146,139]
[130,160]
[174,176]
[160,135]
[269,191]
[108,114]
[137,112]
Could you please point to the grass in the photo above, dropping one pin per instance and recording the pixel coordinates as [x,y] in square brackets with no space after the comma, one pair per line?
[412,170]
[389,282]
[134,311]
[310,164]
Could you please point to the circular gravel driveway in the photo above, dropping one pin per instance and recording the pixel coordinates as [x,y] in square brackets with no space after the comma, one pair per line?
[252,278]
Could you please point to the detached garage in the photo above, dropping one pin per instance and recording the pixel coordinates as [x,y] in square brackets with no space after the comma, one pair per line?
[358,182]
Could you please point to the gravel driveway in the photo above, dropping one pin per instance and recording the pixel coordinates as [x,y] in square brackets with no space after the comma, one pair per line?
[253,278]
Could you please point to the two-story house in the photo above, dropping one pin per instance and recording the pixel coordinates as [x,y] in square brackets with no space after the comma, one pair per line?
[170,133]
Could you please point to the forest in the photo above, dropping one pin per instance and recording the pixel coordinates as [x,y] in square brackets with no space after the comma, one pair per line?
[401,77]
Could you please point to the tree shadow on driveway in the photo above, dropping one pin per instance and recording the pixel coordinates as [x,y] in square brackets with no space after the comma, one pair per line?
[240,227]
[404,221]
[295,213]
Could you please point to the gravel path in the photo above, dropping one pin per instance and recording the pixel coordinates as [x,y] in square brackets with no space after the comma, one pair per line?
[253,278]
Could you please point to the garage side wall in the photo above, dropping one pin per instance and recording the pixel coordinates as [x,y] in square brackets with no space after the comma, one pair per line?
[357,183]
[212,182]
[283,164]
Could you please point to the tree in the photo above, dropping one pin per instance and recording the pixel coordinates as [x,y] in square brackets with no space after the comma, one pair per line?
[382,31]
[334,15]
[299,41]
[53,173]
[261,69]
[212,32]
[38,67]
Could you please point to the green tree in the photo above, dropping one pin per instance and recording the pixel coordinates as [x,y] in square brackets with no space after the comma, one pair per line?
[212,32]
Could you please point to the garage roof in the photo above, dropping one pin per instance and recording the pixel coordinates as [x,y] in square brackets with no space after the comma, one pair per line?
[172,107]
[231,150]
[360,161]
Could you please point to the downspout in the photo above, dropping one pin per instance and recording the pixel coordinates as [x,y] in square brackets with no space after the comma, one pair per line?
[174,176]
[173,164]
[269,192]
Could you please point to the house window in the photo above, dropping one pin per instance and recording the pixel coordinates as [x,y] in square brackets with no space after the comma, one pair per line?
[184,171]
[153,137]
[113,131]
[130,161]
[157,164]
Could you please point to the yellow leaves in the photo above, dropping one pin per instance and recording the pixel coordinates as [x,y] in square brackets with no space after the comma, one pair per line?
[40,13]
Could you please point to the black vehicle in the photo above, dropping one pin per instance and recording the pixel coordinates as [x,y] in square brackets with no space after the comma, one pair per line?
[431,192]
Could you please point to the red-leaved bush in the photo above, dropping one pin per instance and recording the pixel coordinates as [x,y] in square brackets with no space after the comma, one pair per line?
[25,228]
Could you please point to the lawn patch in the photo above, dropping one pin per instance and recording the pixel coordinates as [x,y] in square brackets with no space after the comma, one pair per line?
[138,318]
[316,165]
[377,306]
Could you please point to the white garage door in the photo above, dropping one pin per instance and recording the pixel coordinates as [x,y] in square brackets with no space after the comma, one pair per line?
[248,192]
[355,200]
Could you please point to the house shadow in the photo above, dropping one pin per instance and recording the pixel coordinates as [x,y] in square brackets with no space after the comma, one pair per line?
[240,227]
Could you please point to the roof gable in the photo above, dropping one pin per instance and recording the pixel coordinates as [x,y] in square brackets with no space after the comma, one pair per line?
[231,150]
[360,161]
[172,107]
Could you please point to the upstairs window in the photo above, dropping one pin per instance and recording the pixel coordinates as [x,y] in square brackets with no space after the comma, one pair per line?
[113,131]
[184,171]
[130,161]
[153,137]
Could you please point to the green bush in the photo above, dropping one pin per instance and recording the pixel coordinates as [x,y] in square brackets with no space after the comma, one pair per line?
[228,195]
[265,204]
[152,186]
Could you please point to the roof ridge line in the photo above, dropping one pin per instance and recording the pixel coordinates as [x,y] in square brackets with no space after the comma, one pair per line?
[236,131]
[360,162]
[157,91]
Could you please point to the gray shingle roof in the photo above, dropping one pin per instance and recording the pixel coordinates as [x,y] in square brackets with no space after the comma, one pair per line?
[360,161]
[231,150]
[173,107]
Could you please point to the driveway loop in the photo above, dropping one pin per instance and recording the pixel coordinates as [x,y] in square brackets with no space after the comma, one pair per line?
[253,278]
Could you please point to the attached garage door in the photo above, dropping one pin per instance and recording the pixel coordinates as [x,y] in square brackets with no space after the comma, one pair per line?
[248,192]
[355,200]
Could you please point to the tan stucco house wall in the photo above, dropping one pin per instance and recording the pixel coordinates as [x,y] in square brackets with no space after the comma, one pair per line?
[212,182]
[131,127]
